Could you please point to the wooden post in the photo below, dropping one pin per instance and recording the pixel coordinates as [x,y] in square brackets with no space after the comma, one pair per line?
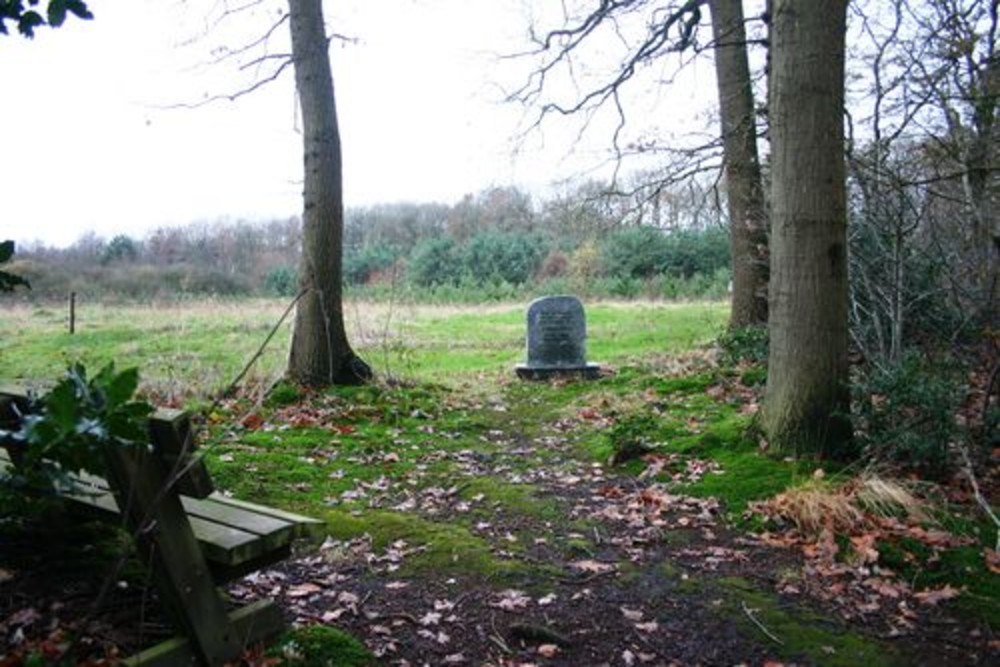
[72,313]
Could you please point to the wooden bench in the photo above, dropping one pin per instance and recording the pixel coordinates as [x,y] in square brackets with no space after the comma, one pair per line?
[195,537]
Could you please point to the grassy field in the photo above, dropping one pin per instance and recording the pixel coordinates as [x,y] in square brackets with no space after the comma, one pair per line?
[195,348]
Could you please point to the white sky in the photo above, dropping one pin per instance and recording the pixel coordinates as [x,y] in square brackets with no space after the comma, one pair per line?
[88,145]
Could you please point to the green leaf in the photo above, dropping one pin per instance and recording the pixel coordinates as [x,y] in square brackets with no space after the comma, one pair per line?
[121,387]
[28,22]
[56,12]
[61,406]
[79,9]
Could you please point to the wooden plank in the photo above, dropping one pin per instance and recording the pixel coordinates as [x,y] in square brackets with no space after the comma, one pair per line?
[165,537]
[254,623]
[272,532]
[220,543]
[303,526]
[172,438]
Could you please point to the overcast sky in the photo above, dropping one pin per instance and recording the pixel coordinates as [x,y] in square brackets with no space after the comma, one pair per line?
[89,143]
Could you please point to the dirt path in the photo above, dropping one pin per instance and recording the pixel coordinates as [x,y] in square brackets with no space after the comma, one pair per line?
[608,569]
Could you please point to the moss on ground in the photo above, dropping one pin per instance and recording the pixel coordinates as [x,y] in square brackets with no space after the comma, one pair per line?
[320,646]
[798,633]
[449,548]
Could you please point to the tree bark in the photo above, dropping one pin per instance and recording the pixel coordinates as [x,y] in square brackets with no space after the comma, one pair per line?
[806,406]
[320,353]
[744,186]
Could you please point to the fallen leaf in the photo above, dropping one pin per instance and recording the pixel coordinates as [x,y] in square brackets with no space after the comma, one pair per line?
[935,595]
[993,560]
[303,590]
[510,600]
[632,614]
[430,618]
[651,626]
[593,566]
[252,421]
[548,650]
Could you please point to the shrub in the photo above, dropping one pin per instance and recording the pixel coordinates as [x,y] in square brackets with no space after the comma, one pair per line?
[510,257]
[744,344]
[555,265]
[361,265]
[636,252]
[905,413]
[282,281]
[434,262]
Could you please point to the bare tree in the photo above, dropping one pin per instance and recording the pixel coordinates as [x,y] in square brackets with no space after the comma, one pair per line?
[671,27]
[806,404]
[320,352]
[744,186]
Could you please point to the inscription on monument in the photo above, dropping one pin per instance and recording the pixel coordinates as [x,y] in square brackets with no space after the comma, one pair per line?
[556,339]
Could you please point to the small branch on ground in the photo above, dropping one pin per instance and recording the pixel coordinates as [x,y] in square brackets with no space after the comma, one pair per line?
[768,633]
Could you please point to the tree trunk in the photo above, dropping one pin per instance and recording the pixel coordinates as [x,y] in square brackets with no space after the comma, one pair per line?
[744,187]
[320,353]
[806,406]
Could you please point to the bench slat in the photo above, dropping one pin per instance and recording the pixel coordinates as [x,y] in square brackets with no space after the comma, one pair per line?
[302,526]
[231,533]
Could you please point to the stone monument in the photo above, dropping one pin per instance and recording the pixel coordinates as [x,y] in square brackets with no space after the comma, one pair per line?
[557,340]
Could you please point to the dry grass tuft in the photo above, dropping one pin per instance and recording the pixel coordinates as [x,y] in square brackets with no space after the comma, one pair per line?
[815,506]
[845,507]
[888,498]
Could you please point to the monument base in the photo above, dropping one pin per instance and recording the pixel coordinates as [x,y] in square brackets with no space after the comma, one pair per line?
[588,371]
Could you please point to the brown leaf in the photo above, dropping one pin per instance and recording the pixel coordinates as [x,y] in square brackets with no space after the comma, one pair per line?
[594,566]
[632,614]
[864,547]
[252,421]
[548,650]
[649,627]
[303,590]
[992,560]
[935,595]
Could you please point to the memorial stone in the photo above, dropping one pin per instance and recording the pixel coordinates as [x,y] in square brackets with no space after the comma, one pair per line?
[556,340]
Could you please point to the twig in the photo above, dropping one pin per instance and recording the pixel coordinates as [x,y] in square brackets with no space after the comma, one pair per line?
[977,494]
[260,350]
[768,633]
[531,632]
[496,638]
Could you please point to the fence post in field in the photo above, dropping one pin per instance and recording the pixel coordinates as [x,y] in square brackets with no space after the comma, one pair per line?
[72,313]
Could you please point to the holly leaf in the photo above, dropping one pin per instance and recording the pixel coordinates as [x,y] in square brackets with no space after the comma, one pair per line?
[56,12]
[28,22]
[79,9]
[121,387]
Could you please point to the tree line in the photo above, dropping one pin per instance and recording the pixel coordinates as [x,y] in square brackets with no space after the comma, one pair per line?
[497,244]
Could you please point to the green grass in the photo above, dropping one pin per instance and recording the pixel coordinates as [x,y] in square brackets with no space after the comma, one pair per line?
[196,348]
